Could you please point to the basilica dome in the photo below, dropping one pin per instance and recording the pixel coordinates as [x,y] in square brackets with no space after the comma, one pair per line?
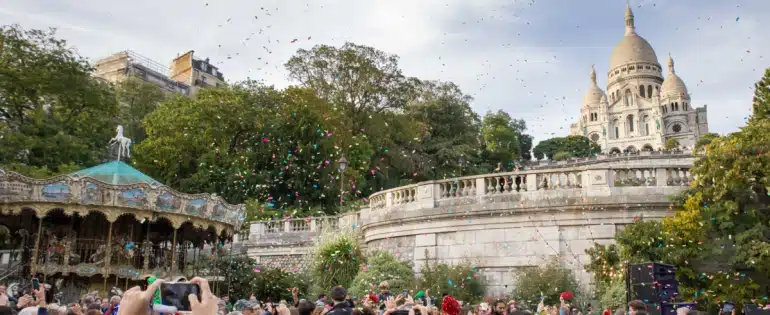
[594,93]
[632,48]
[673,84]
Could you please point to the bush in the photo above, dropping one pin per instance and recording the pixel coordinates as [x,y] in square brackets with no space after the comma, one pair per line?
[550,280]
[561,156]
[671,144]
[614,296]
[462,281]
[382,266]
[337,258]
[244,278]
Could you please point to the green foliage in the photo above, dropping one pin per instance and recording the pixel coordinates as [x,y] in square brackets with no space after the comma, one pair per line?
[671,143]
[761,101]
[561,156]
[525,145]
[500,135]
[451,141]
[53,112]
[705,140]
[461,281]
[573,146]
[40,172]
[244,278]
[614,296]
[548,280]
[337,258]
[137,99]
[382,266]
[604,265]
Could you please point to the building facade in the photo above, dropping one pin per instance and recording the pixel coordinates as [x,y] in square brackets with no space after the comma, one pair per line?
[186,76]
[641,109]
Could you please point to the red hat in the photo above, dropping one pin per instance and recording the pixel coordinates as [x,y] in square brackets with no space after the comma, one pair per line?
[450,306]
[567,296]
[373,298]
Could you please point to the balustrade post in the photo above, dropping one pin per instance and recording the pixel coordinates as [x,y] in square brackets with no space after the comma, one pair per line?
[661,178]
[313,225]
[532,182]
[481,187]
[388,199]
[287,226]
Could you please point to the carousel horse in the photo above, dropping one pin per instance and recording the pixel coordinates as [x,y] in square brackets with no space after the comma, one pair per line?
[124,144]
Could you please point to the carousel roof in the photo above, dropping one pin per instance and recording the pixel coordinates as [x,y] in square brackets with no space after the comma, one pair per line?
[116,173]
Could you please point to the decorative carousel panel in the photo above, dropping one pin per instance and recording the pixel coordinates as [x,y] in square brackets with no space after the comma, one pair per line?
[133,198]
[127,272]
[166,201]
[87,270]
[92,194]
[15,190]
[56,192]
[195,207]
[220,211]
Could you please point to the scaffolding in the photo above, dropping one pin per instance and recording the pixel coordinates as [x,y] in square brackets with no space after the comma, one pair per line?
[147,63]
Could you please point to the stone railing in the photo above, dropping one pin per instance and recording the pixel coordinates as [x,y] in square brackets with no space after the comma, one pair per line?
[591,176]
[20,192]
[298,230]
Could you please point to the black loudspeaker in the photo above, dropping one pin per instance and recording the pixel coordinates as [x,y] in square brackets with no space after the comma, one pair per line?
[753,309]
[652,283]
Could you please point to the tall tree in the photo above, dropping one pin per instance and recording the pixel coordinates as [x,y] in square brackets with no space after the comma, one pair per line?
[570,146]
[450,143]
[137,99]
[500,135]
[52,112]
[761,102]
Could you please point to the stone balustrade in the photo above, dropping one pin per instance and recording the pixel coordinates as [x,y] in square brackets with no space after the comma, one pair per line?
[500,221]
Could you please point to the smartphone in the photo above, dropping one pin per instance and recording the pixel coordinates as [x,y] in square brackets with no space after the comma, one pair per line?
[35,284]
[728,308]
[404,293]
[176,294]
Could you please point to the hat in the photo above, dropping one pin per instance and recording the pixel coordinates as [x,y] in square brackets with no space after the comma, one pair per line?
[373,299]
[567,296]
[450,306]
[420,294]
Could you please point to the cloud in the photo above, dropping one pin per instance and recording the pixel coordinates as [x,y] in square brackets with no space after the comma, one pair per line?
[530,58]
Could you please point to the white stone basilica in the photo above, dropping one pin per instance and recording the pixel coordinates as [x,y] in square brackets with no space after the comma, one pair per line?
[643,109]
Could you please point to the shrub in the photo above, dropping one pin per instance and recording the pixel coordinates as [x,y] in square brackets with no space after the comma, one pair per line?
[671,144]
[337,258]
[462,281]
[382,266]
[561,156]
[550,280]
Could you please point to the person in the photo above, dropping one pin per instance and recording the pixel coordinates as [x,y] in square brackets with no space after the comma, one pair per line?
[450,306]
[6,310]
[3,295]
[114,306]
[384,294]
[137,302]
[228,305]
[341,306]
[565,298]
[635,306]
[306,308]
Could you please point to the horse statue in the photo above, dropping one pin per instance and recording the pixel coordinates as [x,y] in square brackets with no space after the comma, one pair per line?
[124,144]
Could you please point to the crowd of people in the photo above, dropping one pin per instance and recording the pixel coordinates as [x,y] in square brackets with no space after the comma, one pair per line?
[137,301]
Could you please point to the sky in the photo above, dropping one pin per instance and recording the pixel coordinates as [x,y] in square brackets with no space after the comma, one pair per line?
[529,58]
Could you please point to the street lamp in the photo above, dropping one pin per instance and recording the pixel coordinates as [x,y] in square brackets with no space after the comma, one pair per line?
[343,164]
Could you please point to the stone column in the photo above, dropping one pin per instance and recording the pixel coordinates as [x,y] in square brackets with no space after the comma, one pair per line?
[108,252]
[173,254]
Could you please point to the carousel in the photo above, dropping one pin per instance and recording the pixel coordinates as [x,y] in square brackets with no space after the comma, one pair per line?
[108,226]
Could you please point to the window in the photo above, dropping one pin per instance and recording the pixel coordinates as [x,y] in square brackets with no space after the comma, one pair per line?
[646,129]
[628,97]
[649,91]
[677,128]
[615,124]
[630,122]
[641,91]
[595,137]
[672,107]
[676,105]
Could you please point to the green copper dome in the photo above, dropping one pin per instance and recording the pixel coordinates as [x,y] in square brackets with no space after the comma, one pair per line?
[116,173]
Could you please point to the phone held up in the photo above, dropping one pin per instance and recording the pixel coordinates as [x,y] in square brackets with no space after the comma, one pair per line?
[176,294]
[35,284]
[404,293]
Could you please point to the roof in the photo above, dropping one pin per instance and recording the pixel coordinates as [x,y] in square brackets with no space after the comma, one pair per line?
[673,84]
[594,94]
[632,48]
[116,173]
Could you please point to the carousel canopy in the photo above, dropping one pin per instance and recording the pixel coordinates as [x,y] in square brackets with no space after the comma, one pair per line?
[116,173]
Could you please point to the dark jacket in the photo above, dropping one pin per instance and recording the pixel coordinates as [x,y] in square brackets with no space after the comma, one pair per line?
[341,309]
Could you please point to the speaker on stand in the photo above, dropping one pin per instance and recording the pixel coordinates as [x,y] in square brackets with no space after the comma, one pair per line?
[654,284]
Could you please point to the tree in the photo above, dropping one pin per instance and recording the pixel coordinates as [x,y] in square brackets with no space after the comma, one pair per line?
[547,281]
[337,258]
[382,266]
[461,281]
[525,145]
[561,156]
[761,101]
[450,142]
[671,144]
[52,112]
[361,78]
[245,277]
[572,146]
[500,135]
[705,140]
[604,265]
[137,99]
